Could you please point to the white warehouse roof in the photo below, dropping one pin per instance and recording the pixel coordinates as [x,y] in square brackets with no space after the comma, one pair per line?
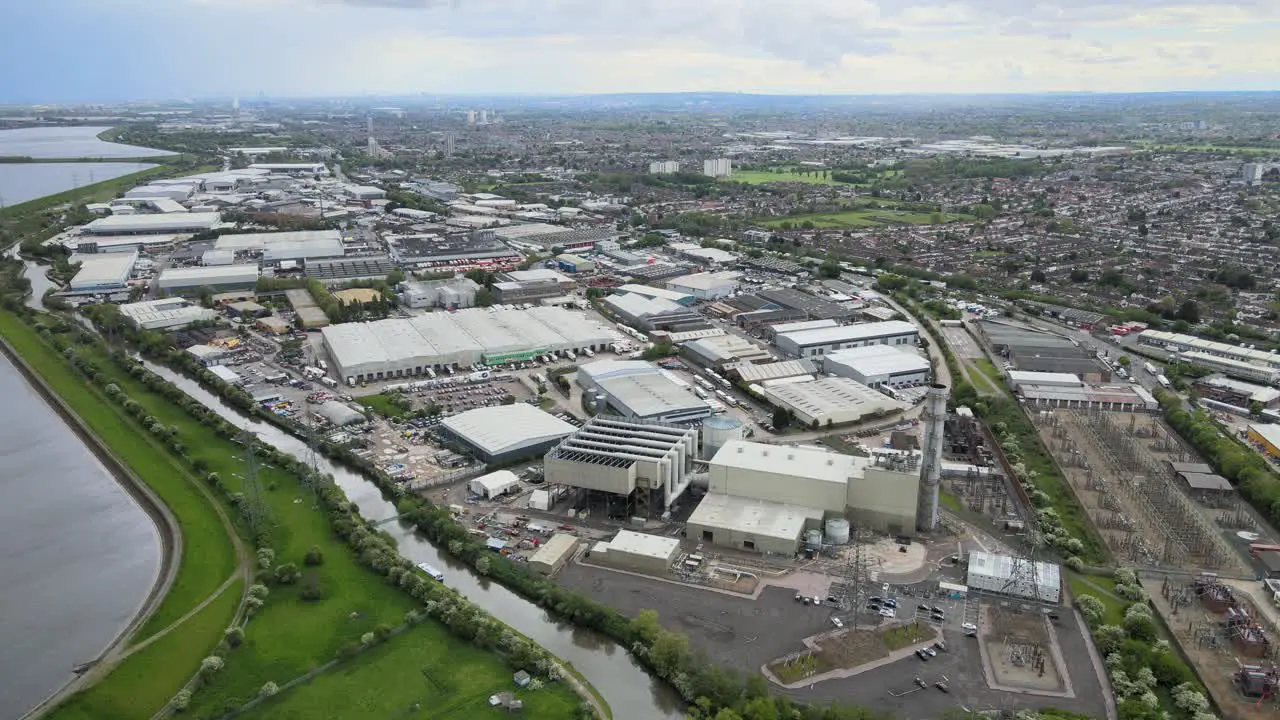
[212,276]
[755,517]
[995,573]
[850,333]
[504,428]
[650,546]
[165,313]
[262,241]
[1024,377]
[653,292]
[808,462]
[494,484]
[161,223]
[836,399]
[102,270]
[873,360]
[704,281]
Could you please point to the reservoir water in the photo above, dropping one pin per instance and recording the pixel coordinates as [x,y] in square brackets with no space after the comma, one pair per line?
[20,182]
[77,555]
[68,142]
[628,689]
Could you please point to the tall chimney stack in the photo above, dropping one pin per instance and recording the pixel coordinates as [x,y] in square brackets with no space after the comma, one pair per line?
[934,419]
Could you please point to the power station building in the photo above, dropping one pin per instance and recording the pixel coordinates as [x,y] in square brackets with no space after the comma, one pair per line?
[763,498]
[635,468]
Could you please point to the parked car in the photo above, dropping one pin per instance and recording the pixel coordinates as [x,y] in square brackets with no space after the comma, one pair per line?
[889,613]
[930,652]
[836,621]
[942,686]
[922,655]
[969,626]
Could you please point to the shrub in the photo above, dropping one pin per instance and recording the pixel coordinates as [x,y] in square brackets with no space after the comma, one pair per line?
[234,636]
[287,574]
[266,558]
[368,639]
[349,650]
[211,665]
[182,700]
[268,689]
[314,557]
[1074,562]
[259,591]
[1091,608]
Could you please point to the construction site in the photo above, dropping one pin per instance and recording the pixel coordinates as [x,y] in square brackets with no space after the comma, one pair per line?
[1228,637]
[1123,469]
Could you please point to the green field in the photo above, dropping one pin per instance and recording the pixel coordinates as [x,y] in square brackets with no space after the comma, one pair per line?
[426,667]
[760,177]
[864,218]
[1102,588]
[381,404]
[150,677]
[289,636]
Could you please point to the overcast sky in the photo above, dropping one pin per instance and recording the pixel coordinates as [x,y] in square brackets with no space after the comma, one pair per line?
[67,50]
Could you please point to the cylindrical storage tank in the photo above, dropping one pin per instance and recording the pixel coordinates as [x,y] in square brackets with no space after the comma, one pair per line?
[837,531]
[813,540]
[718,430]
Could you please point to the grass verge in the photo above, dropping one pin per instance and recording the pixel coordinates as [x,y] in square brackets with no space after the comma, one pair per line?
[144,682]
[383,405]
[289,635]
[904,635]
[423,673]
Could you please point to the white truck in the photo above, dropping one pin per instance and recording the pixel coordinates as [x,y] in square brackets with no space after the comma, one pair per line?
[1151,369]
[1164,382]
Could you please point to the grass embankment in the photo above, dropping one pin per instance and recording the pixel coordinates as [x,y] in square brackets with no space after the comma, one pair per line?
[208,556]
[423,673]
[289,636]
[902,636]
[148,678]
[987,378]
[1103,588]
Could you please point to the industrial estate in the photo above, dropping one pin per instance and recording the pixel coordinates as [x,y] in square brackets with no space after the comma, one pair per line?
[924,427]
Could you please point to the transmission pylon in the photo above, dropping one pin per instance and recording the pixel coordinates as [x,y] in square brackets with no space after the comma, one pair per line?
[856,577]
[1022,581]
[311,478]
[254,508]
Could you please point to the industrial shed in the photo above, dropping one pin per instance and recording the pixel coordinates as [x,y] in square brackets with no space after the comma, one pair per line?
[824,341]
[506,432]
[102,273]
[879,366]
[408,347]
[554,553]
[1007,575]
[637,390]
[190,280]
[753,525]
[832,401]
[339,414]
[495,484]
[166,314]
[168,223]
[651,554]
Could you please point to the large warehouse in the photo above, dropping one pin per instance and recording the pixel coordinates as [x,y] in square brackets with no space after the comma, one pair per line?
[824,341]
[637,390]
[830,401]
[640,469]
[166,314]
[707,285]
[299,245]
[505,433]
[1016,577]
[102,273]
[1253,372]
[402,348]
[168,223]
[1184,343]
[879,366]
[222,278]
[880,492]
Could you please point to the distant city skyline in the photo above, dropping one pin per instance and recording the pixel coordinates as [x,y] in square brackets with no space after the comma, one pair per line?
[66,51]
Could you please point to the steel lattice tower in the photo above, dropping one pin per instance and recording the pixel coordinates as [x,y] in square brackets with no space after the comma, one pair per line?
[255,510]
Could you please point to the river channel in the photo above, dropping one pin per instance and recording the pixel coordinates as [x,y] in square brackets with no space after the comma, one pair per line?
[77,555]
[629,690]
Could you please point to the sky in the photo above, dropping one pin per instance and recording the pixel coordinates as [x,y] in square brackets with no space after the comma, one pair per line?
[98,50]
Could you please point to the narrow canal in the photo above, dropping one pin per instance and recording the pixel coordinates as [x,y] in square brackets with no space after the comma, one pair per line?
[628,689]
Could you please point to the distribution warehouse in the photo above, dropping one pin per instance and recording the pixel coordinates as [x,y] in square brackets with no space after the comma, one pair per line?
[824,341]
[400,348]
